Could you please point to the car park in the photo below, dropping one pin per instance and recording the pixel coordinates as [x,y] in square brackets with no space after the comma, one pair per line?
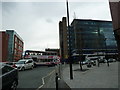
[25,64]
[9,77]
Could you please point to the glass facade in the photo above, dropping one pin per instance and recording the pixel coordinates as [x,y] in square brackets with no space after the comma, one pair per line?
[10,44]
[92,34]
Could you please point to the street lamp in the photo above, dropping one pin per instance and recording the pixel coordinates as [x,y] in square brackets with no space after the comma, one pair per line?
[70,60]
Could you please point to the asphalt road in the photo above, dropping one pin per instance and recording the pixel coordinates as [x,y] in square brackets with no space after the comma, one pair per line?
[33,78]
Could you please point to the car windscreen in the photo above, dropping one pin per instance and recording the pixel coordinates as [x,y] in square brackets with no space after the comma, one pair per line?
[20,62]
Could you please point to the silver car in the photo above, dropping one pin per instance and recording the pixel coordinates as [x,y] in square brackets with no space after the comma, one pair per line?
[25,64]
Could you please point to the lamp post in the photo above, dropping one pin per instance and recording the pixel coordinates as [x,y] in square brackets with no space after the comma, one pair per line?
[70,60]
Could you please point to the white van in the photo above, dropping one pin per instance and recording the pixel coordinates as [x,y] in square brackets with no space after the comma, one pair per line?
[25,64]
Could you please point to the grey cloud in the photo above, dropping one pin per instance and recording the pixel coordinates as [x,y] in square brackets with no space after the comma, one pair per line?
[49,20]
[37,22]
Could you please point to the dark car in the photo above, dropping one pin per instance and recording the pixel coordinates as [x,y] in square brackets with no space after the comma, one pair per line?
[12,64]
[101,60]
[111,60]
[8,77]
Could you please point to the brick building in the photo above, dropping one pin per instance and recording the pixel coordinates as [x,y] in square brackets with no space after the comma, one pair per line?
[63,38]
[11,46]
[3,46]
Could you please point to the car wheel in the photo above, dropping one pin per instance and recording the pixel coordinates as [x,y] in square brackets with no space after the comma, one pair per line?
[23,68]
[31,67]
[14,85]
[89,65]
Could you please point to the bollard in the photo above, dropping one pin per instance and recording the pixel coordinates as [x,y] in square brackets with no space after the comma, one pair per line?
[56,80]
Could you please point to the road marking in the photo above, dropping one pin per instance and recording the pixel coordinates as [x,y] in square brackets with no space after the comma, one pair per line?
[43,81]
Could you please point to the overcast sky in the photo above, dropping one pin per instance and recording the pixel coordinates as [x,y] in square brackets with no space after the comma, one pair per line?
[37,22]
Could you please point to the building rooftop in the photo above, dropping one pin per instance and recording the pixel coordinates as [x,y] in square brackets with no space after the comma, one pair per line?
[92,20]
[13,31]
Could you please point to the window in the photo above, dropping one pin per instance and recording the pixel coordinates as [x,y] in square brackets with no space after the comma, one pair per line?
[15,39]
[29,61]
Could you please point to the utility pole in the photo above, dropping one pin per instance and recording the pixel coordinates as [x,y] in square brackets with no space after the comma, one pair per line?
[70,60]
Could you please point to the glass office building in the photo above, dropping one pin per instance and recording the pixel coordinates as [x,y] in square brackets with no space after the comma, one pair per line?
[92,36]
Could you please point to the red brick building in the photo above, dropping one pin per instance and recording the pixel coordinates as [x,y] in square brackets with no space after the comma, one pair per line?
[11,46]
[18,48]
[3,46]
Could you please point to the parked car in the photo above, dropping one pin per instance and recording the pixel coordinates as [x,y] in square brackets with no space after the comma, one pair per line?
[9,77]
[111,60]
[102,60]
[85,62]
[25,64]
[93,62]
[12,64]
[89,65]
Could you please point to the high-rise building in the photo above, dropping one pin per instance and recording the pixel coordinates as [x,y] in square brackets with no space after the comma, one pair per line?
[3,46]
[115,13]
[15,46]
[87,37]
[63,37]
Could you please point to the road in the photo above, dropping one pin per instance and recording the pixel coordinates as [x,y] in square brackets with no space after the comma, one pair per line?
[33,78]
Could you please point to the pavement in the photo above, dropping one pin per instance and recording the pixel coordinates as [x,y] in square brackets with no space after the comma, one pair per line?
[63,85]
[94,77]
